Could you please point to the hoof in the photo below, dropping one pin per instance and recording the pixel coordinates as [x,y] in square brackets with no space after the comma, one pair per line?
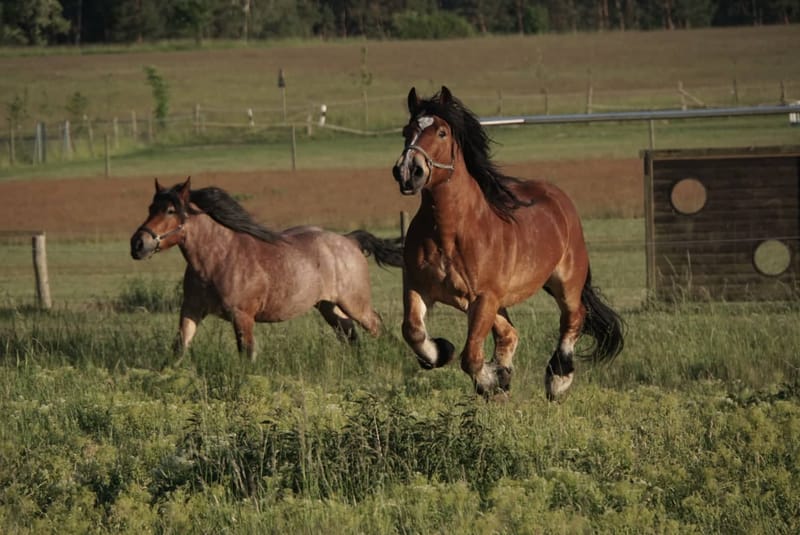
[556,386]
[444,352]
[500,397]
[423,363]
[486,381]
[504,378]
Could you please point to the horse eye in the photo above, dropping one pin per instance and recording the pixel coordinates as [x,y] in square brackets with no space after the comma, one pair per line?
[170,210]
[442,133]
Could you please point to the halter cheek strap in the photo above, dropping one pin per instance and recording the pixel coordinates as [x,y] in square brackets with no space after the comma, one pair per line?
[159,237]
[430,161]
[423,123]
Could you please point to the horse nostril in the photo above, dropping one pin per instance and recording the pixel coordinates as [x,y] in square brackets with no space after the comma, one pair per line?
[396,173]
[418,171]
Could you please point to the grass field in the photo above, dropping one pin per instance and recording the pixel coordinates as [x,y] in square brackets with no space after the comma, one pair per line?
[695,428]
[630,69]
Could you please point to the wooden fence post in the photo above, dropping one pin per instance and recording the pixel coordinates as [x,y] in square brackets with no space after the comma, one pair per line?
[12,150]
[589,93]
[115,130]
[66,149]
[90,133]
[294,150]
[40,269]
[107,156]
[134,129]
[37,145]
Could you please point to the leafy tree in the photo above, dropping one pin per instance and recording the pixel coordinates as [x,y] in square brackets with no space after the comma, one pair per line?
[32,22]
[160,90]
[193,16]
[438,25]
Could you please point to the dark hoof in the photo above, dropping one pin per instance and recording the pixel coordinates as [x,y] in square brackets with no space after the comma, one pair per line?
[444,352]
[423,363]
[504,378]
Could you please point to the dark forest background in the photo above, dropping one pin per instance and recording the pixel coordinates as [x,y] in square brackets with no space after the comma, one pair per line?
[46,22]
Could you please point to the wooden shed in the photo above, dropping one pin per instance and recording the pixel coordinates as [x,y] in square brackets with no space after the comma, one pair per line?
[723,224]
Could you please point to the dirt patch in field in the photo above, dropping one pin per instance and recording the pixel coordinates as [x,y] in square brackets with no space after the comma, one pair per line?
[367,198]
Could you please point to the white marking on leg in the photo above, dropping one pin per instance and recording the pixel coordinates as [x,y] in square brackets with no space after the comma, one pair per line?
[429,351]
[487,378]
[559,384]
[188,329]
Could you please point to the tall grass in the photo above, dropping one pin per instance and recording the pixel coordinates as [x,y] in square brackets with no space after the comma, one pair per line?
[96,436]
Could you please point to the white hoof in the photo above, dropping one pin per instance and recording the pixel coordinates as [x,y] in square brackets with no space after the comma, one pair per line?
[556,385]
[486,379]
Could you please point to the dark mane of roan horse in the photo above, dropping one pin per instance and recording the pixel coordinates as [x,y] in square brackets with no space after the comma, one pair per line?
[222,208]
[474,143]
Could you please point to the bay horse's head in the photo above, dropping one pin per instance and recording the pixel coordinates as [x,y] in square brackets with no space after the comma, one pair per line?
[163,227]
[429,153]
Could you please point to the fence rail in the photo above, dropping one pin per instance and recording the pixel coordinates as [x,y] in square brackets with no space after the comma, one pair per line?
[377,115]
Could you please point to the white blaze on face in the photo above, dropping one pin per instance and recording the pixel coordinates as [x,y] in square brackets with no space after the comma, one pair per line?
[423,122]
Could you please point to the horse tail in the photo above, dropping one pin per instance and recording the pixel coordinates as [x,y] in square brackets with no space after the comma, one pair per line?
[386,252]
[601,323]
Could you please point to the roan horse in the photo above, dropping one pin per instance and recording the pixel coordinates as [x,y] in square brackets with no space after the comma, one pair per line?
[481,242]
[246,273]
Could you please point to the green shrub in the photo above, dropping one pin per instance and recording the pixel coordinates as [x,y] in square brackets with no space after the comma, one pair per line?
[437,25]
[150,296]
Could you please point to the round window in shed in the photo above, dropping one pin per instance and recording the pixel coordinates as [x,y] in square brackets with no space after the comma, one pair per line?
[688,196]
[772,257]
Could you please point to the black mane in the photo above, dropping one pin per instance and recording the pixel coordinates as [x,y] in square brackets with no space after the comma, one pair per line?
[223,209]
[474,143]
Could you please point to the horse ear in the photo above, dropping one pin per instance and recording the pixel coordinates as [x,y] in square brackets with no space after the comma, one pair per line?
[445,96]
[159,187]
[185,190]
[413,101]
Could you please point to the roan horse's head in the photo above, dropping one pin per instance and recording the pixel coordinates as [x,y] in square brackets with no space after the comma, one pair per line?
[429,145]
[163,227]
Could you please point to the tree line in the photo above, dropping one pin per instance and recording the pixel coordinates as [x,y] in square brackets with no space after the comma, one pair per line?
[48,22]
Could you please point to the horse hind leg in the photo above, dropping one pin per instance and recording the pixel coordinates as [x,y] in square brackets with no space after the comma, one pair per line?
[342,324]
[560,369]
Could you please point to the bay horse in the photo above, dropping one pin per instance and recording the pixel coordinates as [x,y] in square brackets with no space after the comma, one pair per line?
[483,241]
[244,272]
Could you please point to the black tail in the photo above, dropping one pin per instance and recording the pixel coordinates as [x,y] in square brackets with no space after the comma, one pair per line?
[602,324]
[386,252]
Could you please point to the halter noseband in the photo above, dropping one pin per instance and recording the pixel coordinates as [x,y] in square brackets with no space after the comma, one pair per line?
[430,161]
[423,123]
[159,237]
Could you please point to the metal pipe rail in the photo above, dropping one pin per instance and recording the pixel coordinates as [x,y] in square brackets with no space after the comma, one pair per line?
[640,115]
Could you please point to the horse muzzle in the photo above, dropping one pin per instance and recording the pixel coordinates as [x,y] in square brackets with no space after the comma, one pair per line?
[411,174]
[143,245]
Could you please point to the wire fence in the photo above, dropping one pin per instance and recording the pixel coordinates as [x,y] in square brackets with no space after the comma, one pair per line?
[89,137]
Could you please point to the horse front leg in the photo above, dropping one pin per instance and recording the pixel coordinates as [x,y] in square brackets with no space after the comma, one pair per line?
[430,352]
[243,324]
[481,317]
[190,318]
[505,345]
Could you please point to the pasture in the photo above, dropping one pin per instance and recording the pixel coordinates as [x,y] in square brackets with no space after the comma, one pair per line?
[694,428]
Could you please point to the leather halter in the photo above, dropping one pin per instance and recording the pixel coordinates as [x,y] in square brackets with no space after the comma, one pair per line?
[430,161]
[423,124]
[159,237]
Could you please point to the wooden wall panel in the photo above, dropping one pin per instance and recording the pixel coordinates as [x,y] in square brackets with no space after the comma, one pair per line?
[752,195]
